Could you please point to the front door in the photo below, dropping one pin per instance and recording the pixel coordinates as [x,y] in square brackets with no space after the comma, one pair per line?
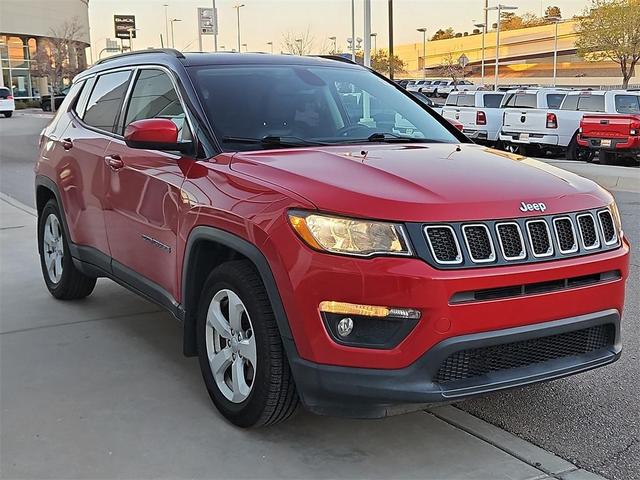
[144,191]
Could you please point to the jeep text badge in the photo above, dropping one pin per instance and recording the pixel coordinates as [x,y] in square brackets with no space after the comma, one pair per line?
[530,207]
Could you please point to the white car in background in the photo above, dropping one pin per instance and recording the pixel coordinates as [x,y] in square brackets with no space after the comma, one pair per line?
[418,85]
[526,122]
[7,104]
[556,127]
[479,112]
[457,86]
[432,89]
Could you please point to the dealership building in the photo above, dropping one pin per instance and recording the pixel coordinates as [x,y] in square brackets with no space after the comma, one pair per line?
[23,25]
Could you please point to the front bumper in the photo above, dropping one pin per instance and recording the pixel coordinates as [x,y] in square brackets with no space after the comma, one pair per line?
[376,393]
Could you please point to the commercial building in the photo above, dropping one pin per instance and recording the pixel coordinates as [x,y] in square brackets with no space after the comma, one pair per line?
[526,56]
[23,26]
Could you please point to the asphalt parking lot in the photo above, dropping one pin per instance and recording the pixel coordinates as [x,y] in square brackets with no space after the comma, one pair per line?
[99,388]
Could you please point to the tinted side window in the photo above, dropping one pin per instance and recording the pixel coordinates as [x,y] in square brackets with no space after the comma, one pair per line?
[83,98]
[492,100]
[106,99]
[627,103]
[570,103]
[452,100]
[591,103]
[4,93]
[153,96]
[554,100]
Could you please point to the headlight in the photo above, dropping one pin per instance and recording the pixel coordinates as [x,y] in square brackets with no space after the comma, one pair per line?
[349,236]
[616,219]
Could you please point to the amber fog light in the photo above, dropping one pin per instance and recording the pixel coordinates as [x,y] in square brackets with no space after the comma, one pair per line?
[367,326]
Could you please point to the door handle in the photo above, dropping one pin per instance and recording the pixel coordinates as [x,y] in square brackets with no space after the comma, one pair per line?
[67,143]
[114,162]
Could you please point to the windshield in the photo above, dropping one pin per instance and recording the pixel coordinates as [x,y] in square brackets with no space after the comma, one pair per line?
[311,104]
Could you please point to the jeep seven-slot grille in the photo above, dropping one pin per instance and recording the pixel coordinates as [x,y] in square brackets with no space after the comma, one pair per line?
[477,362]
[522,240]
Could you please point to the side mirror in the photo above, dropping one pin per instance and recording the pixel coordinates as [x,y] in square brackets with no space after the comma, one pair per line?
[155,134]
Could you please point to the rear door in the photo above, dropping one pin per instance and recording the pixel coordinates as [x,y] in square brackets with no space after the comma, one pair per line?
[144,193]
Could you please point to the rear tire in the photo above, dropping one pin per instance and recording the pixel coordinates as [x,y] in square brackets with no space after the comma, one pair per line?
[8,114]
[576,152]
[64,281]
[242,359]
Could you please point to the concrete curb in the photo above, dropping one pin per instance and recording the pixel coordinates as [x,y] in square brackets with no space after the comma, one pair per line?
[19,205]
[552,465]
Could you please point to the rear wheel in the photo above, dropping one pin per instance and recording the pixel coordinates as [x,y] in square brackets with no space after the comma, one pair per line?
[576,152]
[64,281]
[241,355]
[8,114]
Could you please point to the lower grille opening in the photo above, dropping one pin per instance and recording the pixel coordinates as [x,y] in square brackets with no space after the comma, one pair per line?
[476,362]
[534,288]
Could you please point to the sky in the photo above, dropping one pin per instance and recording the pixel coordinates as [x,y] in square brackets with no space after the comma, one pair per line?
[268,20]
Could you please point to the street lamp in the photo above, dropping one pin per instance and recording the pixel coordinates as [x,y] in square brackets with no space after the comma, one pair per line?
[131,30]
[173,35]
[166,23]
[484,31]
[375,41]
[335,45]
[238,7]
[555,20]
[499,8]
[424,51]
[271,45]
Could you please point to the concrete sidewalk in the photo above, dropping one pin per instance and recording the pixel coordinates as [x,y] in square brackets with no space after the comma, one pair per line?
[609,176]
[99,388]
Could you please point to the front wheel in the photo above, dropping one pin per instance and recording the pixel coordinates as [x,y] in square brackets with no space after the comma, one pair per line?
[64,281]
[243,362]
[8,114]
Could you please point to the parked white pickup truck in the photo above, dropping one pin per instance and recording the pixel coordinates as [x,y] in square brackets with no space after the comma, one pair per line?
[526,127]
[479,112]
[557,128]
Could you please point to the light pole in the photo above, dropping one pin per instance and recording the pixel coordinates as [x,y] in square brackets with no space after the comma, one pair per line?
[499,8]
[238,7]
[484,32]
[353,30]
[555,20]
[166,23]
[335,45]
[131,30]
[173,35]
[375,41]
[271,45]
[424,51]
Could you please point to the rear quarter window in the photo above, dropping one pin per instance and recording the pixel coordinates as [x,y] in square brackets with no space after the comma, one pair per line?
[522,100]
[627,103]
[466,101]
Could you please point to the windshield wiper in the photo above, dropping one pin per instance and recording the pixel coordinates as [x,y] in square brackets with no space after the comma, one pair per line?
[273,140]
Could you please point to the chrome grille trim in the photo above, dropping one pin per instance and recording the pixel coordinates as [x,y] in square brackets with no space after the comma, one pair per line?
[492,256]
[458,259]
[522,246]
[575,247]
[614,240]
[549,251]
[595,229]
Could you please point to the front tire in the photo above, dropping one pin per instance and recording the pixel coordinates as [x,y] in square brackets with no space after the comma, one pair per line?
[8,114]
[64,281]
[242,359]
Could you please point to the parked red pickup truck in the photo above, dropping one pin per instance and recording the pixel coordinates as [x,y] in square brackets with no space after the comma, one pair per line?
[616,137]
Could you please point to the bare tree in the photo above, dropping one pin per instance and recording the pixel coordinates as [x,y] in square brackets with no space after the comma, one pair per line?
[57,57]
[610,30]
[450,68]
[298,43]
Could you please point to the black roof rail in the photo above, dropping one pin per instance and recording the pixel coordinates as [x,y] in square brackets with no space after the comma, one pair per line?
[337,58]
[169,51]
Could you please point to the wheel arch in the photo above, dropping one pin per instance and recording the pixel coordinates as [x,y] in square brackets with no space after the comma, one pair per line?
[46,189]
[208,247]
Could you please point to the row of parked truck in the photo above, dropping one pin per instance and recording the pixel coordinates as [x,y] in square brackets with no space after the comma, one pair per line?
[585,124]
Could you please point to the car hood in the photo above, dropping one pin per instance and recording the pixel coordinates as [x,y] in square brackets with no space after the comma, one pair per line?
[421,182]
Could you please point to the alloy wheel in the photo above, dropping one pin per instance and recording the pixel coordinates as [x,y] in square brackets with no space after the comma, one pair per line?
[231,346]
[53,248]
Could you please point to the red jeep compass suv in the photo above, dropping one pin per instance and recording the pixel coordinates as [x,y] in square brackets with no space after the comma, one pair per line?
[322,236]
